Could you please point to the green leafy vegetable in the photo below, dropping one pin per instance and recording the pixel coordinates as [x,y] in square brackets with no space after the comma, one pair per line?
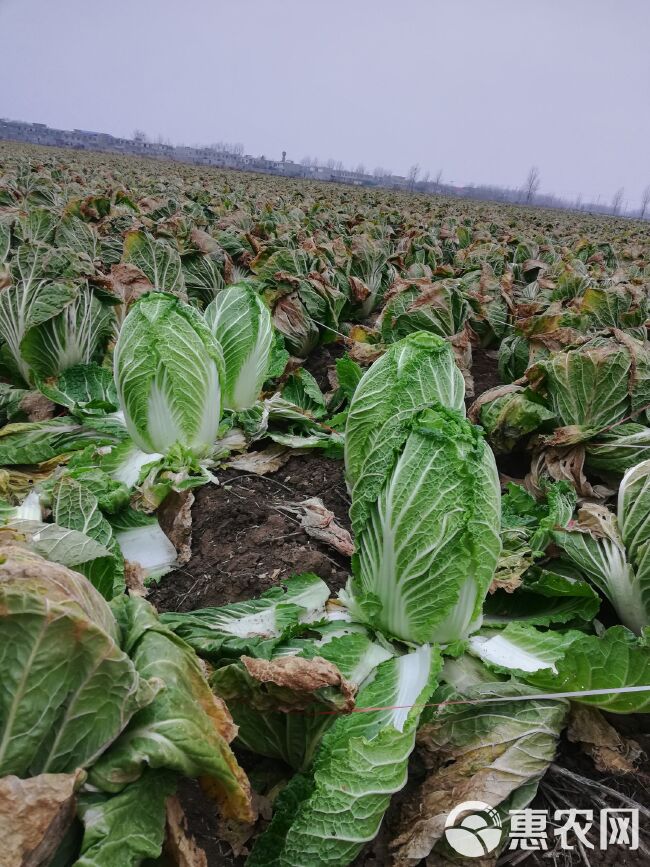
[325,817]
[614,553]
[76,507]
[254,627]
[241,323]
[426,519]
[413,374]
[121,830]
[56,628]
[168,369]
[184,728]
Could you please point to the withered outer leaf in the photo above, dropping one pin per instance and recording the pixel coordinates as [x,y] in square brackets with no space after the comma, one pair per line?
[509,572]
[175,519]
[262,463]
[203,242]
[181,848]
[360,349]
[320,523]
[474,756]
[301,675]
[599,521]
[462,346]
[37,407]
[611,753]
[126,282]
[359,289]
[473,413]
[62,586]
[16,481]
[35,815]
[134,576]
[563,464]
[150,203]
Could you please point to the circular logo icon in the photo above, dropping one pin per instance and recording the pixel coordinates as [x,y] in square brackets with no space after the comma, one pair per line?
[477,833]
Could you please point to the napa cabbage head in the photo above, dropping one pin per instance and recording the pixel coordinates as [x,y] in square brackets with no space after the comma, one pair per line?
[413,374]
[426,520]
[596,385]
[168,370]
[241,323]
[613,551]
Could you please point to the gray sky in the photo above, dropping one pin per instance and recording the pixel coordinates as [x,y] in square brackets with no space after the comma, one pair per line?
[481,89]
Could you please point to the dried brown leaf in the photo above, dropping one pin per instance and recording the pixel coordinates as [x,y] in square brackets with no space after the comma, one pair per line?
[562,464]
[179,847]
[320,523]
[462,346]
[126,282]
[360,346]
[488,396]
[17,481]
[134,576]
[359,289]
[203,242]
[175,519]
[301,675]
[471,777]
[149,203]
[262,463]
[35,815]
[598,521]
[510,580]
[611,753]
[37,407]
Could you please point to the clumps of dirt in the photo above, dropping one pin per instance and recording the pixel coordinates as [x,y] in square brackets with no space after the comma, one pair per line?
[485,371]
[203,825]
[321,361]
[243,543]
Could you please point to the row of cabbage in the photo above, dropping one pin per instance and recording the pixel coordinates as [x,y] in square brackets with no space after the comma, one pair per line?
[119,398]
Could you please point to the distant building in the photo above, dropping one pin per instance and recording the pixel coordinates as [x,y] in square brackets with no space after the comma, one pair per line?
[85,139]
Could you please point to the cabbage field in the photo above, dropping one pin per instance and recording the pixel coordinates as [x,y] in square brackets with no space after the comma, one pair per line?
[310,497]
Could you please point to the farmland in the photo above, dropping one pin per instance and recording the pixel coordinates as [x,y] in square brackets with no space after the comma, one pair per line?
[307,494]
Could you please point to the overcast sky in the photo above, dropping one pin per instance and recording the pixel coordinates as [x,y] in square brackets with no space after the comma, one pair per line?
[481,89]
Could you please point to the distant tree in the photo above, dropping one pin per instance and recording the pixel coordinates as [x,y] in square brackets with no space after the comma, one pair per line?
[532,185]
[238,149]
[425,178]
[306,162]
[414,171]
[645,201]
[438,178]
[360,169]
[330,164]
[339,165]
[617,201]
[140,136]
[378,172]
[578,204]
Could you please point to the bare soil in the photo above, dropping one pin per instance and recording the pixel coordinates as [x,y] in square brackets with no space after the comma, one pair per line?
[322,361]
[484,370]
[243,542]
